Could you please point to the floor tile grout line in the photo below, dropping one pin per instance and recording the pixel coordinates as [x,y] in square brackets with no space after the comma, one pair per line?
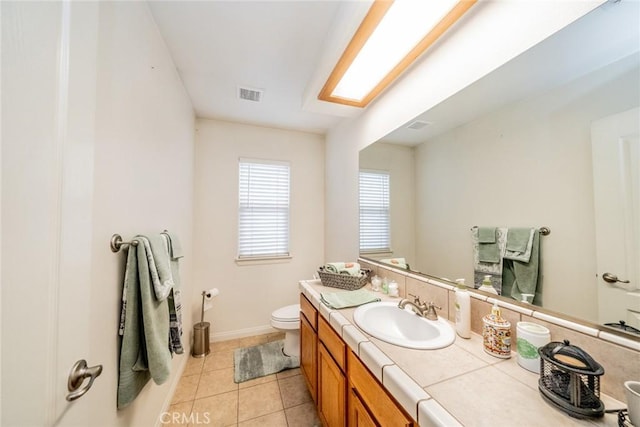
[282,400]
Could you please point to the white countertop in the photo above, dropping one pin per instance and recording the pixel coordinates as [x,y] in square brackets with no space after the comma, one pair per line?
[459,385]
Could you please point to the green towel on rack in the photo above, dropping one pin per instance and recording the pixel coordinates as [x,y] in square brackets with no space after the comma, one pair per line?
[488,248]
[519,244]
[144,352]
[522,277]
[347,299]
[486,234]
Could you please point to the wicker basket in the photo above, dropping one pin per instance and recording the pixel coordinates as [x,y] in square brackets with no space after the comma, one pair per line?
[344,281]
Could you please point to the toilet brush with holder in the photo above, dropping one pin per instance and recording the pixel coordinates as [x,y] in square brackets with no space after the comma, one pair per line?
[201,329]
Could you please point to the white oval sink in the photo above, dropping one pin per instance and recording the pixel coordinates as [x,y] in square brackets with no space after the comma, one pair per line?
[402,327]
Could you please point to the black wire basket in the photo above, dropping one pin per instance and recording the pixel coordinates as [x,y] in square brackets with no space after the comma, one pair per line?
[570,380]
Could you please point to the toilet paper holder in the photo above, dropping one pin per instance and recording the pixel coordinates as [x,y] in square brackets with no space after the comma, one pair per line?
[201,330]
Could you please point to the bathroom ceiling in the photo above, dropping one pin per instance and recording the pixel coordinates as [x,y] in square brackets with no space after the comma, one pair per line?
[288,48]
[283,48]
[603,36]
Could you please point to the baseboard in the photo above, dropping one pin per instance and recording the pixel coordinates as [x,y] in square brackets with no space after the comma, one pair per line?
[241,333]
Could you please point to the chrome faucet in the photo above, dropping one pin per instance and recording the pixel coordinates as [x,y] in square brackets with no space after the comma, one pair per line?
[428,311]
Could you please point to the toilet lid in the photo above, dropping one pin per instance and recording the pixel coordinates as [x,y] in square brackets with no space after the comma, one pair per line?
[290,313]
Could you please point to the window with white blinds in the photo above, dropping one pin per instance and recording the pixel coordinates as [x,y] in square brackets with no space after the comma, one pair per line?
[263,223]
[375,229]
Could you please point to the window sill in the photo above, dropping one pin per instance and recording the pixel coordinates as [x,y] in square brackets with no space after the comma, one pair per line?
[263,260]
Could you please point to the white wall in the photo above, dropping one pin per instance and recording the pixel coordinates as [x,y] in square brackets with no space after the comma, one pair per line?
[143,184]
[398,160]
[100,144]
[249,293]
[527,164]
[456,61]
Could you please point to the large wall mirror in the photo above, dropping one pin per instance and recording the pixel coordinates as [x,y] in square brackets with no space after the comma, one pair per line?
[523,147]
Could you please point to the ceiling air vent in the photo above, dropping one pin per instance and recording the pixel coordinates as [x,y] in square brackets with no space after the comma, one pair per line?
[250,94]
[418,124]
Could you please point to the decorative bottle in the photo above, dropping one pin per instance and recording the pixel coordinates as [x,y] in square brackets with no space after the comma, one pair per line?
[463,310]
[496,334]
[487,286]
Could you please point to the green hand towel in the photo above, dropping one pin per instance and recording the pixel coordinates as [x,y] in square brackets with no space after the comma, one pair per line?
[519,244]
[488,248]
[144,352]
[160,257]
[518,239]
[488,252]
[131,378]
[347,299]
[175,248]
[522,277]
[486,234]
[155,321]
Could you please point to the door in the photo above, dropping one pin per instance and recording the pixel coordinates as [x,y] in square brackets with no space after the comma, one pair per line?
[331,390]
[48,104]
[358,414]
[309,356]
[616,185]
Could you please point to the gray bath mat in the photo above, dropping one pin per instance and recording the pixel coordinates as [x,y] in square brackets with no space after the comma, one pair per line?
[261,360]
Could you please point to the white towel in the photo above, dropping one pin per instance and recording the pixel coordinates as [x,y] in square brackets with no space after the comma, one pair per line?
[351,268]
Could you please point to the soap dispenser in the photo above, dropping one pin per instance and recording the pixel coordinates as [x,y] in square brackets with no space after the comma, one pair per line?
[463,310]
[496,334]
[487,286]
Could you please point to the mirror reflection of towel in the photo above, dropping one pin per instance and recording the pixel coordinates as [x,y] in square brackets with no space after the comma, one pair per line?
[396,262]
[519,244]
[488,247]
[520,277]
[493,268]
[486,234]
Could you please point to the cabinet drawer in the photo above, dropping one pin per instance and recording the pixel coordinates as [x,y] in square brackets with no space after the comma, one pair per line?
[382,406]
[332,341]
[309,312]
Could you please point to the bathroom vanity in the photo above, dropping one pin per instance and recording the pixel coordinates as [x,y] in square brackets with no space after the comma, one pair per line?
[344,390]
[358,380]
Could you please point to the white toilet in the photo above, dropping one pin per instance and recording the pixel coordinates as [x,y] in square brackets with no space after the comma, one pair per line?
[288,319]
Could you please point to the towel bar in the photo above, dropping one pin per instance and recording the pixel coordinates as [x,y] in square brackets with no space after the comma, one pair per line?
[117,242]
[544,231]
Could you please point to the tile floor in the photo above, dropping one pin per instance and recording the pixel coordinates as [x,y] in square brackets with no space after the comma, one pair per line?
[207,394]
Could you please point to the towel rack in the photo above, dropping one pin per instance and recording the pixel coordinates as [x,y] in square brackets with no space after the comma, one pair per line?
[544,231]
[117,242]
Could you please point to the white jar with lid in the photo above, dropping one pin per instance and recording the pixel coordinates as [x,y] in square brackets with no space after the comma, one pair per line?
[531,337]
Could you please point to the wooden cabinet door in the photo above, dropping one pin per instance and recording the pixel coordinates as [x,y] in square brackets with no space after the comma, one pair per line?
[331,390]
[308,356]
[358,414]
[382,406]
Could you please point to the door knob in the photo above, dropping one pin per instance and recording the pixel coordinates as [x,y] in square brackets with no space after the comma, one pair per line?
[78,373]
[612,278]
